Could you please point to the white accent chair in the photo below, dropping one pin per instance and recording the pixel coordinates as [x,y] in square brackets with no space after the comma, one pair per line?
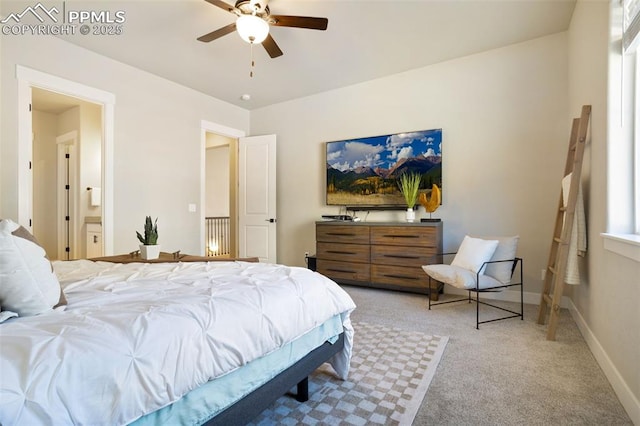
[481,265]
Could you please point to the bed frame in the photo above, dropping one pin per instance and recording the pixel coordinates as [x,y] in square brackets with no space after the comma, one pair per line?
[246,409]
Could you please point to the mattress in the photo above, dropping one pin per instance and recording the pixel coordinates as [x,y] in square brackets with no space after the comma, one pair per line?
[135,338]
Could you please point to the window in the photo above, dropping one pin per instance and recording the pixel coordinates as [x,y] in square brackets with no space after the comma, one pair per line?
[623,235]
[631,24]
[635,120]
[630,41]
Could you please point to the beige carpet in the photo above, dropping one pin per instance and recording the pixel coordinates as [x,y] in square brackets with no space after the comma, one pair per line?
[506,373]
[391,370]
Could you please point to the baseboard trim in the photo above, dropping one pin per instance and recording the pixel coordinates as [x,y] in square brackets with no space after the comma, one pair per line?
[628,400]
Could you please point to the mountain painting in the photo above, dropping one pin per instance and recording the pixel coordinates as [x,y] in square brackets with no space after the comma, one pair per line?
[365,171]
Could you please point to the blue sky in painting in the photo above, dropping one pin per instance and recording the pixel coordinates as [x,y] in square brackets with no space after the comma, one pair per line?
[383,151]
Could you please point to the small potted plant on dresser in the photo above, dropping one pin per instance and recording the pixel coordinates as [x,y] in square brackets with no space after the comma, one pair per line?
[409,184]
[149,249]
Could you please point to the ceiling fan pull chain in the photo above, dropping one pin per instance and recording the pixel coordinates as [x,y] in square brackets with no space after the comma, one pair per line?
[253,64]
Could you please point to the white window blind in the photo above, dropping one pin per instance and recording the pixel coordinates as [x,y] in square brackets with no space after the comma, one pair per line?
[631,24]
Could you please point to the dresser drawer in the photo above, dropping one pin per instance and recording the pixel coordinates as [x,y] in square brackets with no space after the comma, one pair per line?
[343,252]
[343,234]
[344,270]
[404,256]
[404,236]
[403,276]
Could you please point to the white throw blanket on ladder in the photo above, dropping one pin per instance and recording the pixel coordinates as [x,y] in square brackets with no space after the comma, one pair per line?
[578,240]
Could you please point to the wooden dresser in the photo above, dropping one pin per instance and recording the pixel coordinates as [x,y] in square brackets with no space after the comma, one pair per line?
[379,254]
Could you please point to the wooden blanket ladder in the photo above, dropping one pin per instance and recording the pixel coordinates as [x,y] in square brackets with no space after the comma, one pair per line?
[555,273]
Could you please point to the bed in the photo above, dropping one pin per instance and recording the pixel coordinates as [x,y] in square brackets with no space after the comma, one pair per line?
[170,343]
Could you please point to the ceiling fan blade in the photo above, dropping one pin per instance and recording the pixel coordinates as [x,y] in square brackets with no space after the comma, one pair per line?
[271,47]
[299,22]
[222,5]
[218,33]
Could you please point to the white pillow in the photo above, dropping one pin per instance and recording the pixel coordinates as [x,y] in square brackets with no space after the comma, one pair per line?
[28,285]
[473,252]
[506,250]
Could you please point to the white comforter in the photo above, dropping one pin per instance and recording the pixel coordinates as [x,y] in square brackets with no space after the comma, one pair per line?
[136,337]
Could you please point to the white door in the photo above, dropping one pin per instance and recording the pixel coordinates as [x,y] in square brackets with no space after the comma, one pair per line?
[65,191]
[25,158]
[257,197]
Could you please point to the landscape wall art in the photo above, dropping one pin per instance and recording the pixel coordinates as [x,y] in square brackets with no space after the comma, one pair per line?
[364,171]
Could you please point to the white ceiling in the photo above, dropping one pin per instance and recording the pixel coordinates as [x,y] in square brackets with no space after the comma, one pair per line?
[364,40]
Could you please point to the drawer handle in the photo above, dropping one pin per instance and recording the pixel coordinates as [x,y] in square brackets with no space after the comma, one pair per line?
[401,256]
[401,236]
[404,277]
[342,234]
[341,270]
[340,252]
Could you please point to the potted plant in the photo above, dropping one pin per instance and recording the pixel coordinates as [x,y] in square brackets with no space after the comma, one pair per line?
[149,249]
[409,184]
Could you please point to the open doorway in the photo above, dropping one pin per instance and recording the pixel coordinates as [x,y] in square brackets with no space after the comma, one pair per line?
[252,192]
[67,175]
[29,80]
[220,196]
[213,137]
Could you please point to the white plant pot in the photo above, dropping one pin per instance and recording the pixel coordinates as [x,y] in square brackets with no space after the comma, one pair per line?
[149,252]
[411,215]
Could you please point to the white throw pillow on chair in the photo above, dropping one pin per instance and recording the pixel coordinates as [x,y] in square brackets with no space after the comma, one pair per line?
[474,252]
[506,250]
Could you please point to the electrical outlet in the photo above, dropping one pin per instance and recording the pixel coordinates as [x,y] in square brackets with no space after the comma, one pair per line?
[542,274]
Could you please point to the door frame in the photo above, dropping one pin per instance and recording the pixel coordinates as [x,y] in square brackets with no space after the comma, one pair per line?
[28,78]
[230,132]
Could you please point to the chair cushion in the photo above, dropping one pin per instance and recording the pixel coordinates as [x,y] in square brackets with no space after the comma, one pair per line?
[473,252]
[444,273]
[506,250]
[29,285]
[459,277]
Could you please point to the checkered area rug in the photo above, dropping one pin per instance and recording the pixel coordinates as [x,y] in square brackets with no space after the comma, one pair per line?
[391,370]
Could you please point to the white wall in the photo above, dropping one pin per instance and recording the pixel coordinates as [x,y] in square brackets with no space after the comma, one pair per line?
[157,140]
[505,134]
[217,181]
[90,156]
[90,166]
[606,303]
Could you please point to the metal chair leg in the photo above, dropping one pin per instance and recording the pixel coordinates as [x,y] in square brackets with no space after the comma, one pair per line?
[477,310]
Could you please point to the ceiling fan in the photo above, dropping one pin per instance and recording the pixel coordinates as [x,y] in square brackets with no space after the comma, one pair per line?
[253,21]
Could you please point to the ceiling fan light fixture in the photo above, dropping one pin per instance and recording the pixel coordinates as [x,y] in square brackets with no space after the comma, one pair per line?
[252,28]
